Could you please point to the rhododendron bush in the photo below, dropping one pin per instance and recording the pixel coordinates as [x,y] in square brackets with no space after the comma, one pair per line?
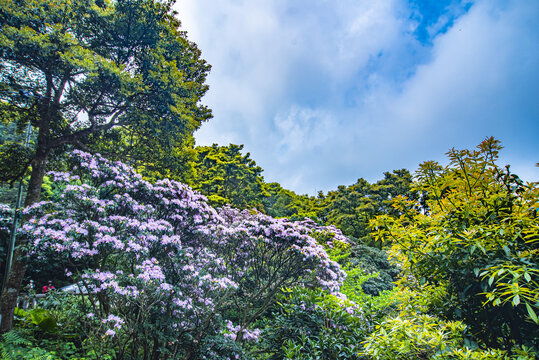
[161,268]
[266,254]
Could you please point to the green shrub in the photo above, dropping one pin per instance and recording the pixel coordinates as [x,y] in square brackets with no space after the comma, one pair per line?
[420,336]
[476,235]
[312,324]
[374,261]
[410,331]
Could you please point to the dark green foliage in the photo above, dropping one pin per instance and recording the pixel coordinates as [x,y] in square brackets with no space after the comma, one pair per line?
[8,194]
[14,160]
[374,261]
[281,202]
[312,324]
[221,348]
[15,156]
[351,208]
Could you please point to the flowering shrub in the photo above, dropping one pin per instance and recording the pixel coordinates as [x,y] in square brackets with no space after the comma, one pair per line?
[160,265]
[138,248]
[264,254]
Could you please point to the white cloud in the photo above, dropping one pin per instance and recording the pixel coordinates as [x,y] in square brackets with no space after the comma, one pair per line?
[302,129]
[240,40]
[481,82]
[264,52]
[322,92]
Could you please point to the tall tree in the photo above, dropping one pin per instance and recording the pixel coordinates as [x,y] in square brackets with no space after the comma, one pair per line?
[227,176]
[395,183]
[351,208]
[282,202]
[81,71]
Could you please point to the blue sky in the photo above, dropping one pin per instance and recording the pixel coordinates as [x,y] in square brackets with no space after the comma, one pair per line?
[324,92]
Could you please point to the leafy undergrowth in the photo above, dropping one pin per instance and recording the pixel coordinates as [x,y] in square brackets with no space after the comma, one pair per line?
[163,275]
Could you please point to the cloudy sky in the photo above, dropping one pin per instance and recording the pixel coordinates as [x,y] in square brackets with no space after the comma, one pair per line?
[323,92]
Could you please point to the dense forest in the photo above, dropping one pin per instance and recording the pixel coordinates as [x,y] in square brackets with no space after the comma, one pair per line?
[160,249]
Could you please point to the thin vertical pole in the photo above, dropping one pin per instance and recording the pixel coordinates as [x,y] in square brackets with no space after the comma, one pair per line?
[16,215]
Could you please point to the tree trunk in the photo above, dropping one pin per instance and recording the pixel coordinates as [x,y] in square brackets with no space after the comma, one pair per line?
[11,290]
[8,300]
[39,166]
[155,351]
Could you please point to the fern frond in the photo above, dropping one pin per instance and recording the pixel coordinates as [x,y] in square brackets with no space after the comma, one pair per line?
[11,342]
[14,338]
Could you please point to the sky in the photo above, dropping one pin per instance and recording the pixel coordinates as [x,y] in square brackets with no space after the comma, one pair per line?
[323,92]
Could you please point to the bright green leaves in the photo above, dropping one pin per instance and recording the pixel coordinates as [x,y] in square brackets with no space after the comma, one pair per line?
[513,284]
[228,176]
[40,317]
[476,234]
[532,313]
[417,337]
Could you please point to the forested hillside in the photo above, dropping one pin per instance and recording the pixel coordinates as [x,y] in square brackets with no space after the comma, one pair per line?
[168,250]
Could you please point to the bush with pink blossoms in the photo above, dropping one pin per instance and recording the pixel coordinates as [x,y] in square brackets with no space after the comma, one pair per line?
[162,267]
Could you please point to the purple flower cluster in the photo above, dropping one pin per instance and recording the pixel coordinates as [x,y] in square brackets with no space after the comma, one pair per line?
[5,209]
[116,323]
[249,239]
[233,332]
[158,252]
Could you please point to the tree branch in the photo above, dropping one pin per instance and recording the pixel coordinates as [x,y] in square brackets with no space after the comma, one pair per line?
[76,136]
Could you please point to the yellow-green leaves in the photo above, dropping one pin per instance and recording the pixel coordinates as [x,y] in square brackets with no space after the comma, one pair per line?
[475,233]
[514,284]
[414,337]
